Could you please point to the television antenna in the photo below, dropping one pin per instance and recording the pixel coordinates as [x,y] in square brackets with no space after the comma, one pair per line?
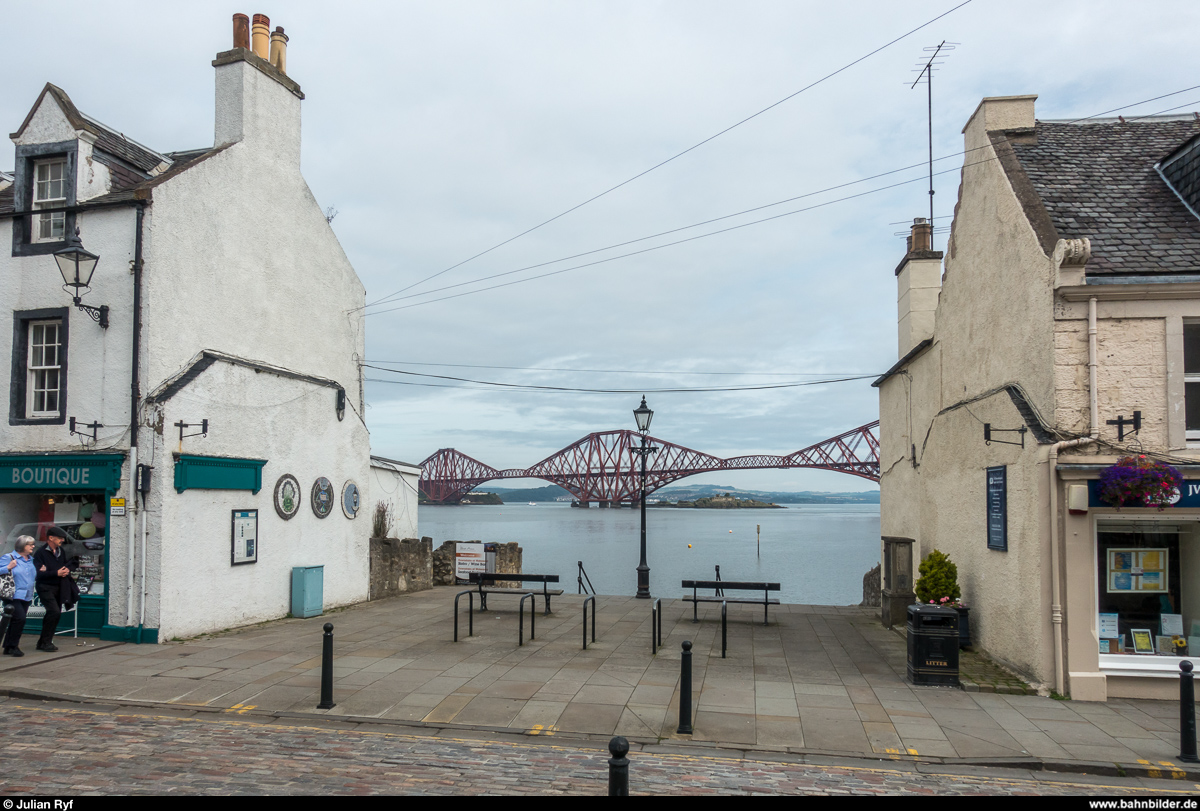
[924,71]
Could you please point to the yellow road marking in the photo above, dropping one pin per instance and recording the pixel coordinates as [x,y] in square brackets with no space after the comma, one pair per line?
[564,748]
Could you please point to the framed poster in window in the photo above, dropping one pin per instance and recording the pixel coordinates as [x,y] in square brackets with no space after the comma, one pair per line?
[997,508]
[243,538]
[1138,569]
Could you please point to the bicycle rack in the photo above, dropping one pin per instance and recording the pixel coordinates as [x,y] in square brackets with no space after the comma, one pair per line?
[470,612]
[532,618]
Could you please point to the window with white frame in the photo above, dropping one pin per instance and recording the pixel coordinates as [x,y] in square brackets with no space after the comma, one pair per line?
[44,368]
[1191,379]
[49,191]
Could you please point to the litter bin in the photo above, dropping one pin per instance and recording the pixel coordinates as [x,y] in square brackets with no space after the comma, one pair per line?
[932,645]
[308,591]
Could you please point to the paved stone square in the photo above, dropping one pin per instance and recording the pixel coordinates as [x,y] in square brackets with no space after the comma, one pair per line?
[816,680]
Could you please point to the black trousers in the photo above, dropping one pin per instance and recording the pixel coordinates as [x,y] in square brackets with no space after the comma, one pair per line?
[49,598]
[15,611]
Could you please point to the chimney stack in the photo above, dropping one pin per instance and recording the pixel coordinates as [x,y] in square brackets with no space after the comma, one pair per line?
[918,282]
[241,31]
[261,35]
[279,49]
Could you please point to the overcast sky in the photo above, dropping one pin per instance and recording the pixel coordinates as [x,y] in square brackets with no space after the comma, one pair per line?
[438,130]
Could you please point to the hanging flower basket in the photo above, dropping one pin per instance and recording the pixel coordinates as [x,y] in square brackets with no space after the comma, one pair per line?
[1135,481]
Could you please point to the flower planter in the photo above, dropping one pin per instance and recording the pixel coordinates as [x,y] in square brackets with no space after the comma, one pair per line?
[964,626]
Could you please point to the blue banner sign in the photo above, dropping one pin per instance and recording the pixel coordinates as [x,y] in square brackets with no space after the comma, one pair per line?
[997,508]
[1186,496]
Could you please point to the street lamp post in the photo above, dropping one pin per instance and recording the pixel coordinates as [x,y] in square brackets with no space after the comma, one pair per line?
[643,415]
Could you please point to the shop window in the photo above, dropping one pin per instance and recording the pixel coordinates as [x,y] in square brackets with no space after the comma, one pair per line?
[38,389]
[1148,586]
[1191,378]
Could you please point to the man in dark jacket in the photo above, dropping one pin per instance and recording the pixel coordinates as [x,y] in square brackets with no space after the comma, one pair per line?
[53,569]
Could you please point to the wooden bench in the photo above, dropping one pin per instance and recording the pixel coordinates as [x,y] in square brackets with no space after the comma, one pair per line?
[766,601]
[483,580]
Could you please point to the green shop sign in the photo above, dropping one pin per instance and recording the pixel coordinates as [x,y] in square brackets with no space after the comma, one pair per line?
[61,473]
[217,473]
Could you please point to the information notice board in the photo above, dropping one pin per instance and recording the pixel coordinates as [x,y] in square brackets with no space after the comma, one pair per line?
[997,508]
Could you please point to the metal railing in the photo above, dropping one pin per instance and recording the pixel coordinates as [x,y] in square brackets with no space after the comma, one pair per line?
[581,578]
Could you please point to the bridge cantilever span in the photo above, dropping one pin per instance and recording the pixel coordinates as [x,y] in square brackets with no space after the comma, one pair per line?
[602,466]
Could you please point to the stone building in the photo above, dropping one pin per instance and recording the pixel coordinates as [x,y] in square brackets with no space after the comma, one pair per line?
[192,413]
[1068,302]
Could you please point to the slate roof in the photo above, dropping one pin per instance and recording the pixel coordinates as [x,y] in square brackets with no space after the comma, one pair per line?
[1097,180]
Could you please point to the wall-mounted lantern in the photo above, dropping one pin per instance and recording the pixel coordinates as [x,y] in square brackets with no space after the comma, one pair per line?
[77,265]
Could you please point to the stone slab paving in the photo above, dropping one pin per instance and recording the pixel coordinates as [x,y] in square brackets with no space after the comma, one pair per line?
[817,680]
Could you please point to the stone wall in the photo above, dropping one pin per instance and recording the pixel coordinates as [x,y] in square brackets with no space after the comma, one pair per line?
[400,566]
[873,588]
[508,560]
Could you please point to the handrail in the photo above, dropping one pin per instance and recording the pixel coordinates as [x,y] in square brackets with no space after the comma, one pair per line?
[582,576]
[470,612]
[532,618]
[592,600]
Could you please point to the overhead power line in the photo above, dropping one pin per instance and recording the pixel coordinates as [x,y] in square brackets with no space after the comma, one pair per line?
[659,372]
[660,164]
[533,387]
[742,225]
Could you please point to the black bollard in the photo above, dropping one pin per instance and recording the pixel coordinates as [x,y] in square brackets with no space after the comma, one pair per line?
[327,669]
[1187,714]
[685,690]
[618,767]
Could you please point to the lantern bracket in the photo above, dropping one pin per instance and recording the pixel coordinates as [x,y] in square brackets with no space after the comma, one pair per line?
[988,430]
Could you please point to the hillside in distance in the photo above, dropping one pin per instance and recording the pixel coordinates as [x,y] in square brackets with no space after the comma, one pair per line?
[553,492]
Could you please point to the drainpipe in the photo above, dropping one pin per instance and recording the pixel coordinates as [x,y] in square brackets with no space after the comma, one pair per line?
[133,512]
[1055,557]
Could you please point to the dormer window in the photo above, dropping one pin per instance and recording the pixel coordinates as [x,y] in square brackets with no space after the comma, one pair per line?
[50,191]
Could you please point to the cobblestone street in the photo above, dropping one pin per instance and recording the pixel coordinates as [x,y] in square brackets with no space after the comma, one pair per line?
[67,751]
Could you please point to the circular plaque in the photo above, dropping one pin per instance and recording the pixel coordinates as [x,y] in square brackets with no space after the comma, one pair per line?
[350,499]
[322,497]
[287,496]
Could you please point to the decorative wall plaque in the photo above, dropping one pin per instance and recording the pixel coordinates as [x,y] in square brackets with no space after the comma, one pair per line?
[350,499]
[322,497]
[287,496]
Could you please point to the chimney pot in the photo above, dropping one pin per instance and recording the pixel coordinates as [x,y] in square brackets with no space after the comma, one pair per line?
[261,35]
[922,235]
[279,42]
[241,31]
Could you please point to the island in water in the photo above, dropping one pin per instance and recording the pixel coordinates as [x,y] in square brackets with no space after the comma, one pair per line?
[719,502]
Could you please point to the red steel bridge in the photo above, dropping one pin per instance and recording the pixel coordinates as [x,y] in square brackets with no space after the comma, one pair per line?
[604,467]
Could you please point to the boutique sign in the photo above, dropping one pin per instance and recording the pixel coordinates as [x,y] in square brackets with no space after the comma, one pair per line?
[61,473]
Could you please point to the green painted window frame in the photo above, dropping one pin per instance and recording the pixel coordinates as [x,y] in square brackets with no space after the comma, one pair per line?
[217,473]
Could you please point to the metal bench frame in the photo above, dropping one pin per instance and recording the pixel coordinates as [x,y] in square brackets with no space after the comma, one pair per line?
[766,601]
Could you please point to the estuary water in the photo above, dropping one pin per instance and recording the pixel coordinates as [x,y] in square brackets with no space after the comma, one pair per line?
[818,553]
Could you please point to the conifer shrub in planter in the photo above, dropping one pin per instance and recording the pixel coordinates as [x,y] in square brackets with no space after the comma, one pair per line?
[938,585]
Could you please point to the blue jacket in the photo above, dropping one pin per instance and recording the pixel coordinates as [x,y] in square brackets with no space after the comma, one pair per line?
[23,574]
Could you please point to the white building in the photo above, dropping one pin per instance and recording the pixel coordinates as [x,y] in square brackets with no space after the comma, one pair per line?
[230,307]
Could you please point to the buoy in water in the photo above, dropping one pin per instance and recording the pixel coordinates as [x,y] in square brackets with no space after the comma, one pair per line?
[689,546]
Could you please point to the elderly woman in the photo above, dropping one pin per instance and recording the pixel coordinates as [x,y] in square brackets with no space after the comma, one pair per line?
[20,564]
